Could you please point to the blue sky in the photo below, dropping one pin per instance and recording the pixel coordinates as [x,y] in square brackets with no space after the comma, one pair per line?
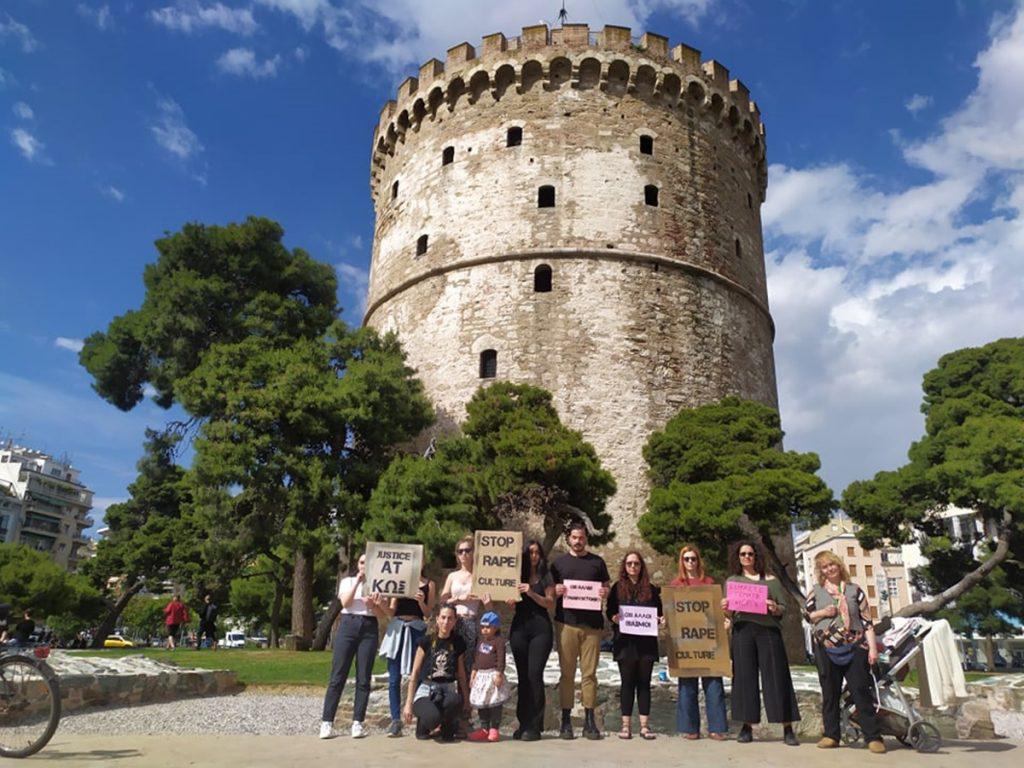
[894,225]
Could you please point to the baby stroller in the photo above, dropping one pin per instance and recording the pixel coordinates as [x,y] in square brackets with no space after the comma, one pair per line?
[897,716]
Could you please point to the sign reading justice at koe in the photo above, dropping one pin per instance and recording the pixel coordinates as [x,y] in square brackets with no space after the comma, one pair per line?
[393,570]
[497,564]
[697,643]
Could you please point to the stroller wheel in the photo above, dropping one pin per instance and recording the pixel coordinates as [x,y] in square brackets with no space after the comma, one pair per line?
[924,737]
[851,733]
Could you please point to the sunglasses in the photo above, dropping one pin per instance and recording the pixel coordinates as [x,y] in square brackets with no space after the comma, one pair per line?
[464,551]
[633,562]
[689,559]
[746,554]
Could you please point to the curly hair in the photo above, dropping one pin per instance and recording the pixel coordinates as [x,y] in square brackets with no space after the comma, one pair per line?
[641,591]
[735,567]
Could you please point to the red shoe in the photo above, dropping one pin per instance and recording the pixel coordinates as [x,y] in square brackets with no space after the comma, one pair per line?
[478,735]
[493,735]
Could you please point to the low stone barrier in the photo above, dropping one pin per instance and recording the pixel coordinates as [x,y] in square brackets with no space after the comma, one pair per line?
[88,681]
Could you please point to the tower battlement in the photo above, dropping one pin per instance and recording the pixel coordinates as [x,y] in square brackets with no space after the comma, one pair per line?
[573,56]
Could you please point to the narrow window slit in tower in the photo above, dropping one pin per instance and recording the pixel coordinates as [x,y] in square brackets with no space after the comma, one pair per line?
[646,145]
[421,245]
[739,249]
[542,279]
[447,155]
[488,364]
[546,196]
[394,191]
[750,201]
[651,195]
[514,137]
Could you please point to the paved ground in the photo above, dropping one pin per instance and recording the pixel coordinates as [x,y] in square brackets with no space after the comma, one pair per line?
[284,751]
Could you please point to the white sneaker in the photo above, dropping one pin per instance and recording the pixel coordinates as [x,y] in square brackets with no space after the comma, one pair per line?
[358,731]
[327,730]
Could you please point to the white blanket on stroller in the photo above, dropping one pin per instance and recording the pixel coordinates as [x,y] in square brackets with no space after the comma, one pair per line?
[942,663]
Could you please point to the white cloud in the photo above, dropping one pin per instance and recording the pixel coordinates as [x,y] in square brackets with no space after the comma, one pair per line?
[19,33]
[354,282]
[243,62]
[31,148]
[99,16]
[72,345]
[113,193]
[870,288]
[917,102]
[172,132]
[23,111]
[6,79]
[190,16]
[300,53]
[100,504]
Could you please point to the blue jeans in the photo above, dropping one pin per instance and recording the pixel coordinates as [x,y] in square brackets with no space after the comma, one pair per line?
[688,712]
[395,675]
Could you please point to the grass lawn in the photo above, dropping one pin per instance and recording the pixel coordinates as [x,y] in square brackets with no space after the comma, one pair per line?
[253,667]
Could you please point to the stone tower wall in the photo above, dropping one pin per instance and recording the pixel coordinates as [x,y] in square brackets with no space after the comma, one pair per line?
[651,308]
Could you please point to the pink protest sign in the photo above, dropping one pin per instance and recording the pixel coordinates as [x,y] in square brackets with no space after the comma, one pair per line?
[750,598]
[582,595]
[638,620]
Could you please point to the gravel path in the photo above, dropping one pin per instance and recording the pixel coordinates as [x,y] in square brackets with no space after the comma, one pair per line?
[247,713]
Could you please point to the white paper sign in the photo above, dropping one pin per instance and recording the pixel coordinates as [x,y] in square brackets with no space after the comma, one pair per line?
[582,595]
[637,620]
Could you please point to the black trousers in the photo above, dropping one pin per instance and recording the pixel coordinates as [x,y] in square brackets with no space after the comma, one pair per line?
[636,683]
[858,677]
[356,638]
[490,717]
[758,651]
[531,642]
[441,708]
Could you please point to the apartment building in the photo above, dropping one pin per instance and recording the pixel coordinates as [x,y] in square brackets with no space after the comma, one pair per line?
[43,504]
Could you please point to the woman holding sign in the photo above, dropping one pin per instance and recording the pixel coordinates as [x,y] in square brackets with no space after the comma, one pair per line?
[692,574]
[532,637]
[757,604]
[635,639]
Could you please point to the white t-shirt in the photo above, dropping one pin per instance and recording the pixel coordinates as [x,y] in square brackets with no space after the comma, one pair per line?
[358,606]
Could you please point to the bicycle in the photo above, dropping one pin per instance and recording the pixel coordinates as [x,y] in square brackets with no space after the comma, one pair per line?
[29,700]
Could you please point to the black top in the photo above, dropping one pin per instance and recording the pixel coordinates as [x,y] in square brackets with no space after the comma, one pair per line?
[588,567]
[632,647]
[23,630]
[208,613]
[407,606]
[442,658]
[527,608]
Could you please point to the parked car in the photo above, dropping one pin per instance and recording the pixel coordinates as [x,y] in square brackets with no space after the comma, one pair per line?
[233,640]
[116,641]
[259,641]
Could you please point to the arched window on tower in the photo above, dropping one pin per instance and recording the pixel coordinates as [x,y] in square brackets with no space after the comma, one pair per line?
[646,145]
[514,137]
[488,364]
[542,279]
[421,245]
[394,190]
[447,155]
[546,196]
[651,195]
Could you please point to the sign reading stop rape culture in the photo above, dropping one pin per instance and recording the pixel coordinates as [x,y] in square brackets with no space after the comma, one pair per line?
[697,643]
[582,595]
[497,564]
[393,570]
[638,620]
[749,598]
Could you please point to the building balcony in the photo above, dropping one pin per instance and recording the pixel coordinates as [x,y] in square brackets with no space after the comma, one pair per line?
[892,558]
[41,524]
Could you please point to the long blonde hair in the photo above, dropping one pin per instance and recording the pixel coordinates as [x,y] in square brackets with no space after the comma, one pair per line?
[822,558]
[701,573]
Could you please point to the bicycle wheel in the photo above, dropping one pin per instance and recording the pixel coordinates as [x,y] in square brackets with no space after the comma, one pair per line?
[29,706]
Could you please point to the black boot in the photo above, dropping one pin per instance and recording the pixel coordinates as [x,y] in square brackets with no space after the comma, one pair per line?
[590,729]
[566,730]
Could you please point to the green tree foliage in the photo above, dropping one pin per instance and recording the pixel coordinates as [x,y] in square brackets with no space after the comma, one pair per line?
[719,473]
[30,580]
[971,457]
[143,617]
[514,461]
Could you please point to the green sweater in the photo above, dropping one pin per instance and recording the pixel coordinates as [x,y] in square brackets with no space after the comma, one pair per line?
[775,592]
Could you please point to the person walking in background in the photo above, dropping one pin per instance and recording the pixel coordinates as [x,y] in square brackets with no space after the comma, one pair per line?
[436,701]
[402,637]
[758,650]
[532,637]
[579,631]
[691,574]
[635,654]
[488,686]
[207,623]
[844,644]
[356,638]
[175,615]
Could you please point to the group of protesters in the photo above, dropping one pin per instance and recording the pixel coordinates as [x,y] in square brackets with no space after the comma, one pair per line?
[455,658]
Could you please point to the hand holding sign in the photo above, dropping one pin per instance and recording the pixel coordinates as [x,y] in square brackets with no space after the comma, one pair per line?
[638,620]
[582,595]
[749,598]
[393,570]
[497,564]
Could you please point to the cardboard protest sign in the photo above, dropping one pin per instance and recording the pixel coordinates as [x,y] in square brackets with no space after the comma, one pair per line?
[497,564]
[582,595]
[393,570]
[750,598]
[697,643]
[638,620]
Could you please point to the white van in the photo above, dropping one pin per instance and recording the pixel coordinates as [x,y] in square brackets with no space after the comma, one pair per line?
[233,640]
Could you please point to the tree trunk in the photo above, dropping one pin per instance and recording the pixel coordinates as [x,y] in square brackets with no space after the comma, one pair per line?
[934,604]
[990,654]
[775,548]
[275,614]
[302,595]
[323,629]
[106,627]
